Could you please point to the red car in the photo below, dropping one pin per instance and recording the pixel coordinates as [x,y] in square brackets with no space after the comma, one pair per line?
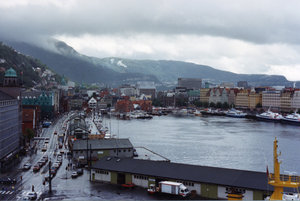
[36,168]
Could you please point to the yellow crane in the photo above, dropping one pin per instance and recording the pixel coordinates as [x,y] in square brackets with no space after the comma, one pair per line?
[281,181]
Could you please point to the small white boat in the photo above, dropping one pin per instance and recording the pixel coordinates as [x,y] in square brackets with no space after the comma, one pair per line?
[269,116]
[235,113]
[292,118]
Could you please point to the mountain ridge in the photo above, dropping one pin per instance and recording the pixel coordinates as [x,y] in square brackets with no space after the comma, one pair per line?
[114,70]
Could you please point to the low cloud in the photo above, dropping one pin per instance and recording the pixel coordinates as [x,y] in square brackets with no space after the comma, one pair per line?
[240,36]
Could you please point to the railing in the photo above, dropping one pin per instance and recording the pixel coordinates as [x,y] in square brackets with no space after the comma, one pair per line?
[290,178]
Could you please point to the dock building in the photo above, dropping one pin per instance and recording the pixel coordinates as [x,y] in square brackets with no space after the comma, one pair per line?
[208,182]
[95,149]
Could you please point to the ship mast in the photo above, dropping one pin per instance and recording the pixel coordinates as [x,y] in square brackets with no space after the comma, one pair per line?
[280,181]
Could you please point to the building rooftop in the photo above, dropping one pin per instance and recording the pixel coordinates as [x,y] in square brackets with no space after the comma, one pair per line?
[178,171]
[10,73]
[103,144]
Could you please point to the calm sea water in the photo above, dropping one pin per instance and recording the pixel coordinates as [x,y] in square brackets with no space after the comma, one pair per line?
[215,141]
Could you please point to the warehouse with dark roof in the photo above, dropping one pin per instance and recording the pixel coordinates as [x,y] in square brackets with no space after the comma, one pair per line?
[208,182]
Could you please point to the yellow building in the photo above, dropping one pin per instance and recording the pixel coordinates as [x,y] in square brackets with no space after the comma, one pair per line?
[254,99]
[286,101]
[204,95]
[242,99]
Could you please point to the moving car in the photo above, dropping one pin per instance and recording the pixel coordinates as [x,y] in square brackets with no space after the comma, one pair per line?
[74,174]
[26,166]
[32,195]
[80,171]
[36,168]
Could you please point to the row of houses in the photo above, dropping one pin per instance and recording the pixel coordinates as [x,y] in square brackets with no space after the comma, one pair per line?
[284,100]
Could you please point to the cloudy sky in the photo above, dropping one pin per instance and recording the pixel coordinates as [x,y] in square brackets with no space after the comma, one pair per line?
[249,36]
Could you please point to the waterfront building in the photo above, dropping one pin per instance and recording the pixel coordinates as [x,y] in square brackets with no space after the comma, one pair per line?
[208,182]
[286,100]
[232,96]
[218,95]
[242,99]
[271,99]
[194,95]
[10,130]
[296,100]
[78,127]
[190,83]
[98,148]
[255,99]
[124,106]
[204,95]
[147,88]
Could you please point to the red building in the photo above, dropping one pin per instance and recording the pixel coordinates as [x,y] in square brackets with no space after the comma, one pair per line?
[31,115]
[126,105]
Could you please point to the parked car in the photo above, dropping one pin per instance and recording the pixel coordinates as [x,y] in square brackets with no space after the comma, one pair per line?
[59,162]
[36,168]
[42,162]
[80,171]
[26,166]
[53,171]
[8,180]
[32,195]
[45,158]
[74,174]
[56,165]
[44,148]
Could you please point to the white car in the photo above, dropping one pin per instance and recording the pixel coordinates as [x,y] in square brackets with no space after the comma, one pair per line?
[26,166]
[56,165]
[74,174]
[31,195]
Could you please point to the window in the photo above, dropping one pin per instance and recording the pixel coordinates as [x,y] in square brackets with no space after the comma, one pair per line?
[124,150]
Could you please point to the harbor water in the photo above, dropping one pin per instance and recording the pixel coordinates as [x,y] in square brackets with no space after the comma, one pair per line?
[214,141]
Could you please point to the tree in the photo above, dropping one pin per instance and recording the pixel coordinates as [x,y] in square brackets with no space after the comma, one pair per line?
[258,105]
[205,104]
[212,104]
[197,103]
[219,105]
[29,134]
[225,105]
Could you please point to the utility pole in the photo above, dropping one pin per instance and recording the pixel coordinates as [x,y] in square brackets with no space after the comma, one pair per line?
[50,177]
[90,161]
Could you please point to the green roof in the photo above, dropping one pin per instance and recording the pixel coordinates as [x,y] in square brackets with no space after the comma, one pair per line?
[10,73]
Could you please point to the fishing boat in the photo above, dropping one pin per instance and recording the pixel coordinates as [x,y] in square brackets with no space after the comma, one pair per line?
[281,182]
[269,116]
[235,113]
[292,119]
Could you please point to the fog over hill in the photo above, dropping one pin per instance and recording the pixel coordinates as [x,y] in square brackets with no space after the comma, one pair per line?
[115,71]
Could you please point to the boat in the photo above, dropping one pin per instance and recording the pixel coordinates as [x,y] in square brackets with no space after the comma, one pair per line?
[292,119]
[197,113]
[269,116]
[235,113]
[207,111]
[129,185]
[281,182]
